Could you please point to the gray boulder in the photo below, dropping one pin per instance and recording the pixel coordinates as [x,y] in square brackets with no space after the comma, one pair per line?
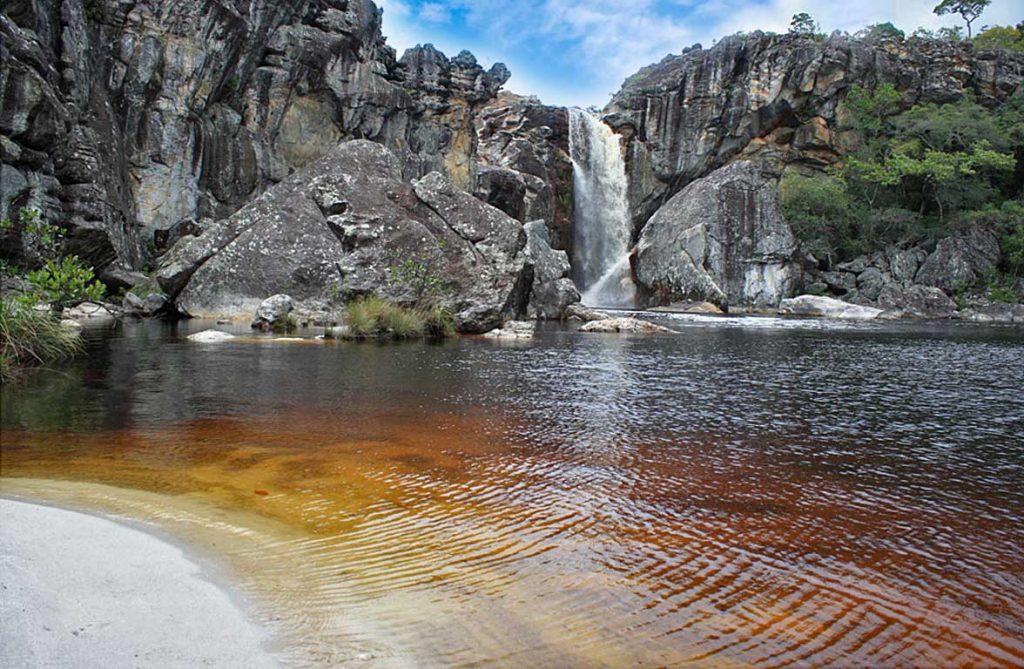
[961,259]
[916,302]
[272,312]
[722,239]
[552,291]
[154,304]
[347,225]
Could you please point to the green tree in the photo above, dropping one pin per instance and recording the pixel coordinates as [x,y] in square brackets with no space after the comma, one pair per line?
[66,282]
[803,24]
[867,110]
[1001,37]
[969,10]
[881,31]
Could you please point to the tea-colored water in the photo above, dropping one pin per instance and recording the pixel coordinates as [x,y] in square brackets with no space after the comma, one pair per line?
[732,496]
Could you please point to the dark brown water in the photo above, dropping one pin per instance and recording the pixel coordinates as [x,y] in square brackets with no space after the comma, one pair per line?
[748,492]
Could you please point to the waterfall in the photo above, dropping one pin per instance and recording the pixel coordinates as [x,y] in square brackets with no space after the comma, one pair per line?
[601,222]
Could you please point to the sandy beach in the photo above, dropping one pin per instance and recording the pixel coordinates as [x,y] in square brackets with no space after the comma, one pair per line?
[83,591]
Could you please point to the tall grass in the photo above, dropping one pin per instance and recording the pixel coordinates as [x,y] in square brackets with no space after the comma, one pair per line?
[377,317]
[30,337]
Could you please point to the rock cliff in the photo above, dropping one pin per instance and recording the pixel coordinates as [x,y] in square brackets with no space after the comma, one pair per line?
[125,122]
[691,120]
[777,98]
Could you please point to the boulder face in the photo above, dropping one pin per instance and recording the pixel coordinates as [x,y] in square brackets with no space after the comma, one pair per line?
[525,168]
[120,120]
[778,97]
[348,225]
[722,239]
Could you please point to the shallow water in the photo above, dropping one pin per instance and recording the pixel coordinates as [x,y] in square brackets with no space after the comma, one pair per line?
[748,492]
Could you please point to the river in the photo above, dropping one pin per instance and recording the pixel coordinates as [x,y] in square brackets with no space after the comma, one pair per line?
[750,491]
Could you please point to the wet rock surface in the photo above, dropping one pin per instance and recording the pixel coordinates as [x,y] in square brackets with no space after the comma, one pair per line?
[723,240]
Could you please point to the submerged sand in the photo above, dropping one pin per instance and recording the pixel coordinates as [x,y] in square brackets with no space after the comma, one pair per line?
[82,591]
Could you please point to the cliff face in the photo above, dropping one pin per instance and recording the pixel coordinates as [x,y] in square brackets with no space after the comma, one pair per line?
[771,101]
[123,120]
[777,97]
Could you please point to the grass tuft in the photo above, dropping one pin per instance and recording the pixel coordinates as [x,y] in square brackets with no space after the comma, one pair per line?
[31,337]
[377,317]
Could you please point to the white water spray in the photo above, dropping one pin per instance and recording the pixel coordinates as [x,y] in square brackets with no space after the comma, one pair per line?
[601,221]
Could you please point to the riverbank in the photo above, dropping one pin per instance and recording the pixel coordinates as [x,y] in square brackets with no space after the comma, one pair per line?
[83,591]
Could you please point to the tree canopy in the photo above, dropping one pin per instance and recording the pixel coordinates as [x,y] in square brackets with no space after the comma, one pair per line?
[969,10]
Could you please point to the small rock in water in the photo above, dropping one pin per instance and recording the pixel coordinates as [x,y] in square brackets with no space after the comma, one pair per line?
[689,308]
[817,305]
[272,311]
[579,312]
[210,336]
[88,311]
[624,325]
[514,330]
[71,324]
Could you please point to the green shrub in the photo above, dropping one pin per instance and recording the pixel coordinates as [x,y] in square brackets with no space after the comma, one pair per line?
[374,316]
[31,337]
[439,322]
[285,325]
[66,282]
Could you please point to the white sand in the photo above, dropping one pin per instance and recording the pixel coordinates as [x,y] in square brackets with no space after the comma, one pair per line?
[81,591]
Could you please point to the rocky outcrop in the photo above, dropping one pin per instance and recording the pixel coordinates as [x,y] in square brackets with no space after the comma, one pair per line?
[122,120]
[525,168]
[722,239]
[915,281]
[348,225]
[778,97]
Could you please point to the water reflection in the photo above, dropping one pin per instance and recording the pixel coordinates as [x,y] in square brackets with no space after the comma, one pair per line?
[738,494]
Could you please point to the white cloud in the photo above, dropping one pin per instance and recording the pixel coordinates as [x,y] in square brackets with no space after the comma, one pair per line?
[435,12]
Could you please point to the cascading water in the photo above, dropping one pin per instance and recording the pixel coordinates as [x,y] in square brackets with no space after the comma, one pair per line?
[601,223]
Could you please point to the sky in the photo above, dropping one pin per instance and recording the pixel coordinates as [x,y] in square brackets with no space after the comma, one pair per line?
[578,52]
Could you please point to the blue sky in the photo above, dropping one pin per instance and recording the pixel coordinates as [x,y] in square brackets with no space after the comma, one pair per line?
[578,52]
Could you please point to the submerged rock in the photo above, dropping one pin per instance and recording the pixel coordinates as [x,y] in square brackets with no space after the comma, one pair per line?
[210,336]
[826,307]
[722,239]
[690,308]
[625,326]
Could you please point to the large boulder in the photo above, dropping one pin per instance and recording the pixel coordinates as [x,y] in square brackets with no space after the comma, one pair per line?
[916,302]
[960,260]
[722,239]
[553,291]
[347,225]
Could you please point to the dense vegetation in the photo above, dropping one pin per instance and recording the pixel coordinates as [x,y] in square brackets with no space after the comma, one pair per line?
[30,329]
[914,174]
